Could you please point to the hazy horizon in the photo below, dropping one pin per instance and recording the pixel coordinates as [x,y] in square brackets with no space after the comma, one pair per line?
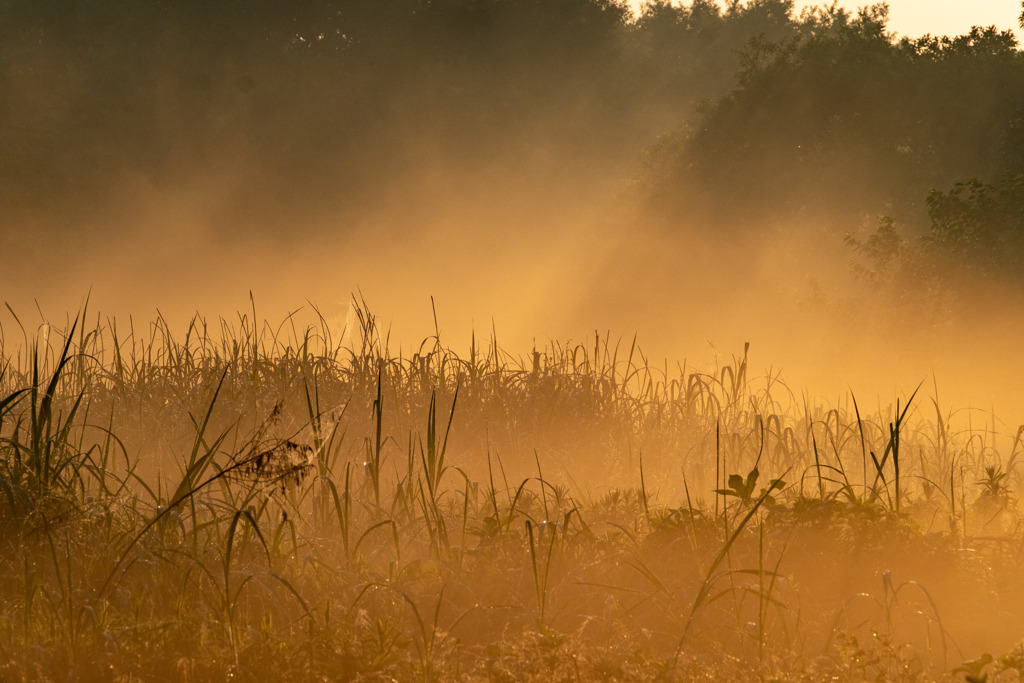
[527,215]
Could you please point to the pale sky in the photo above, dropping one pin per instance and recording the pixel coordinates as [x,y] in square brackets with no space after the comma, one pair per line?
[939,17]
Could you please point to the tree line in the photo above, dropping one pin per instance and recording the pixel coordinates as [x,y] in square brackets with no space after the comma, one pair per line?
[738,112]
[843,120]
[337,97]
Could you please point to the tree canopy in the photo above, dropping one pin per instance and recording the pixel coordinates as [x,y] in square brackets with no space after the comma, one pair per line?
[844,120]
[337,98]
[748,113]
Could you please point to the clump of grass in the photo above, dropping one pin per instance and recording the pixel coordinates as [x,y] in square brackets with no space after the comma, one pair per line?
[254,501]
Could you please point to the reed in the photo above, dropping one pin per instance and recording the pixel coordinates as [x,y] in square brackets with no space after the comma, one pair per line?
[257,501]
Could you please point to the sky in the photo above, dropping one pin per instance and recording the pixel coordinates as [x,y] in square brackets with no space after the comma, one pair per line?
[939,17]
[943,17]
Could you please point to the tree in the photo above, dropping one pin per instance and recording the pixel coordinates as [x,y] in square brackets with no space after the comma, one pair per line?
[980,226]
[840,120]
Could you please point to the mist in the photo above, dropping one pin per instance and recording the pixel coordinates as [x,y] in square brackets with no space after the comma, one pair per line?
[537,171]
[679,284]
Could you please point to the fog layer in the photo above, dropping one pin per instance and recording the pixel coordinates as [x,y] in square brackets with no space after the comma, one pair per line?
[541,169]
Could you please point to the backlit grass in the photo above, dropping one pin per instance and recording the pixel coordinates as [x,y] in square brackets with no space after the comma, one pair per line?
[267,503]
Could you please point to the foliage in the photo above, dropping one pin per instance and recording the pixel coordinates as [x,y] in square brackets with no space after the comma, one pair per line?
[342,99]
[844,119]
[979,225]
[748,114]
[882,254]
[252,506]
[744,490]
[973,239]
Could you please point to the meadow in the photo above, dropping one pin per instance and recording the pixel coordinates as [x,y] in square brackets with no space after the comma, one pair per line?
[256,500]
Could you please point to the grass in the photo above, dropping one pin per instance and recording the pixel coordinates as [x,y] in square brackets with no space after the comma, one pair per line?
[261,503]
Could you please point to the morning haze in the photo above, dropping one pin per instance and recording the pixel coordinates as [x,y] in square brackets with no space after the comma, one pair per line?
[589,475]
[687,175]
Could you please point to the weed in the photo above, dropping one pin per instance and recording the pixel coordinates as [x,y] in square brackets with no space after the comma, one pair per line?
[259,502]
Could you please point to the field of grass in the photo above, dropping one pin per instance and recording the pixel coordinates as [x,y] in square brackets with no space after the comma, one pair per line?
[262,502]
